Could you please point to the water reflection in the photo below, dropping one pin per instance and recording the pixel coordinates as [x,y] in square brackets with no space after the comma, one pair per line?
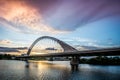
[56,70]
[26,64]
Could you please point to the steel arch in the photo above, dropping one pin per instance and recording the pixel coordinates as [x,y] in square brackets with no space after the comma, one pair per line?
[64,45]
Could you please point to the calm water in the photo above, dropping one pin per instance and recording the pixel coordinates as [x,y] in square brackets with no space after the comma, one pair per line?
[56,70]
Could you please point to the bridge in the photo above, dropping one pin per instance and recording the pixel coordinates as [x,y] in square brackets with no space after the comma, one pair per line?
[70,51]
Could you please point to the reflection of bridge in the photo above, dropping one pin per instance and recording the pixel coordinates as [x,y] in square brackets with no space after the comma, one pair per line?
[72,52]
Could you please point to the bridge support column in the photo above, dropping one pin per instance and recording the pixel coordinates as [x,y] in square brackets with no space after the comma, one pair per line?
[51,59]
[74,63]
[27,63]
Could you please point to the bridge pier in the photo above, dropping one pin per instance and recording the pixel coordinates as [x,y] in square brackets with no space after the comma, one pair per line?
[26,63]
[51,59]
[74,63]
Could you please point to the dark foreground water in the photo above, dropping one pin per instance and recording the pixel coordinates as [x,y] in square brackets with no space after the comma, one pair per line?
[56,70]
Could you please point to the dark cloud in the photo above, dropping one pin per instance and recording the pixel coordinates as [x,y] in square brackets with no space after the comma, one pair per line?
[71,14]
[7,49]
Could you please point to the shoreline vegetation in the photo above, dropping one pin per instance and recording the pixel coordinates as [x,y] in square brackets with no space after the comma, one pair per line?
[98,60]
[101,60]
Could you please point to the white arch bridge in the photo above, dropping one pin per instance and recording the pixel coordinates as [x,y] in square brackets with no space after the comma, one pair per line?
[71,51]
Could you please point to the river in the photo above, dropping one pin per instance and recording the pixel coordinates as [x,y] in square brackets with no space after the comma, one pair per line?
[55,70]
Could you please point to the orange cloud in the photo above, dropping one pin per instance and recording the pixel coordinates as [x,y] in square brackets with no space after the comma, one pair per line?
[22,17]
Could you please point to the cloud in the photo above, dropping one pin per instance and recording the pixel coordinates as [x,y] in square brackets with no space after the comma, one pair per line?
[5,42]
[8,50]
[68,15]
[19,16]
[94,43]
[88,42]
[56,16]
[84,40]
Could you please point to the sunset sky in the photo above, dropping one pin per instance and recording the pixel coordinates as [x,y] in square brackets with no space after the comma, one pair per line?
[77,22]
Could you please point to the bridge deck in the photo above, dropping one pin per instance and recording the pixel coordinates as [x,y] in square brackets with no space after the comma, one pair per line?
[100,52]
